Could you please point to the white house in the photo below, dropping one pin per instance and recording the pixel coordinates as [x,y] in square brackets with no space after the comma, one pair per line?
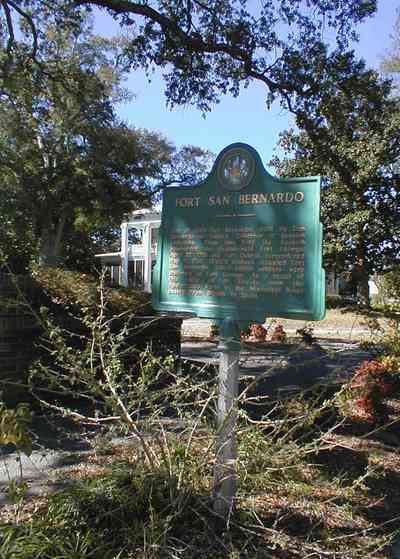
[132,265]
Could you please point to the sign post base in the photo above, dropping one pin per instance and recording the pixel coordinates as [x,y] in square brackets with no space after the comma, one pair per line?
[226,450]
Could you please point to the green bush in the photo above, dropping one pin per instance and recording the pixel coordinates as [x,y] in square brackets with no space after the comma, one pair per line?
[387,308]
[389,286]
[73,290]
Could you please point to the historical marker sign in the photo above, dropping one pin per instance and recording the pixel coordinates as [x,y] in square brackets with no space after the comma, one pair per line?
[241,245]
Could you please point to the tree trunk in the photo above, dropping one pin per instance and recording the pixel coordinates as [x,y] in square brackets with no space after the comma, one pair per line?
[50,245]
[361,271]
[363,296]
[48,252]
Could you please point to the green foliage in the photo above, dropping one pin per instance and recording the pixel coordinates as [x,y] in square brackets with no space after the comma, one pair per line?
[50,125]
[14,427]
[17,244]
[88,170]
[391,339]
[206,50]
[388,308]
[70,168]
[74,290]
[389,286]
[347,129]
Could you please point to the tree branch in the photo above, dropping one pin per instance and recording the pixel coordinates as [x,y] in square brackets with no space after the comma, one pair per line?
[30,21]
[193,43]
[11,38]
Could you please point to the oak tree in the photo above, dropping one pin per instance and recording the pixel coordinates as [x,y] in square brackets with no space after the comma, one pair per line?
[349,132]
[391,61]
[68,164]
[208,48]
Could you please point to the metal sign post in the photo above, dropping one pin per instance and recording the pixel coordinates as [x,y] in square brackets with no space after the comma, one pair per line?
[226,451]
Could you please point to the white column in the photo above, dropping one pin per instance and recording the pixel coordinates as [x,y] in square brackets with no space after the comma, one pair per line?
[147,258]
[123,278]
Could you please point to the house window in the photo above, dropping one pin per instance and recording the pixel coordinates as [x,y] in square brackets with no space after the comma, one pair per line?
[135,236]
[154,236]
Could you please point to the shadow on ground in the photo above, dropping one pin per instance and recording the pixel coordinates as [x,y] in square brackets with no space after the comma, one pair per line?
[286,367]
[60,443]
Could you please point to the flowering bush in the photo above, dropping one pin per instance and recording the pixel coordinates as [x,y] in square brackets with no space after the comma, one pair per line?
[279,334]
[257,332]
[373,381]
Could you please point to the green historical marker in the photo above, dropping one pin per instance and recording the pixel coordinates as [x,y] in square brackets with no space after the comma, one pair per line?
[241,245]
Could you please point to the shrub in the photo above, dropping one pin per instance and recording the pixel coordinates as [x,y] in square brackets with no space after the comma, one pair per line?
[71,304]
[389,286]
[74,291]
[279,334]
[387,308]
[258,332]
[373,381]
[390,341]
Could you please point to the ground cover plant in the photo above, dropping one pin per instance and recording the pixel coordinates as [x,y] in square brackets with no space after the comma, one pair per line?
[316,478]
[311,484]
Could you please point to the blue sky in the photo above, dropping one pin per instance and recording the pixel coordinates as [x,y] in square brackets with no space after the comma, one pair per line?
[244,118]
